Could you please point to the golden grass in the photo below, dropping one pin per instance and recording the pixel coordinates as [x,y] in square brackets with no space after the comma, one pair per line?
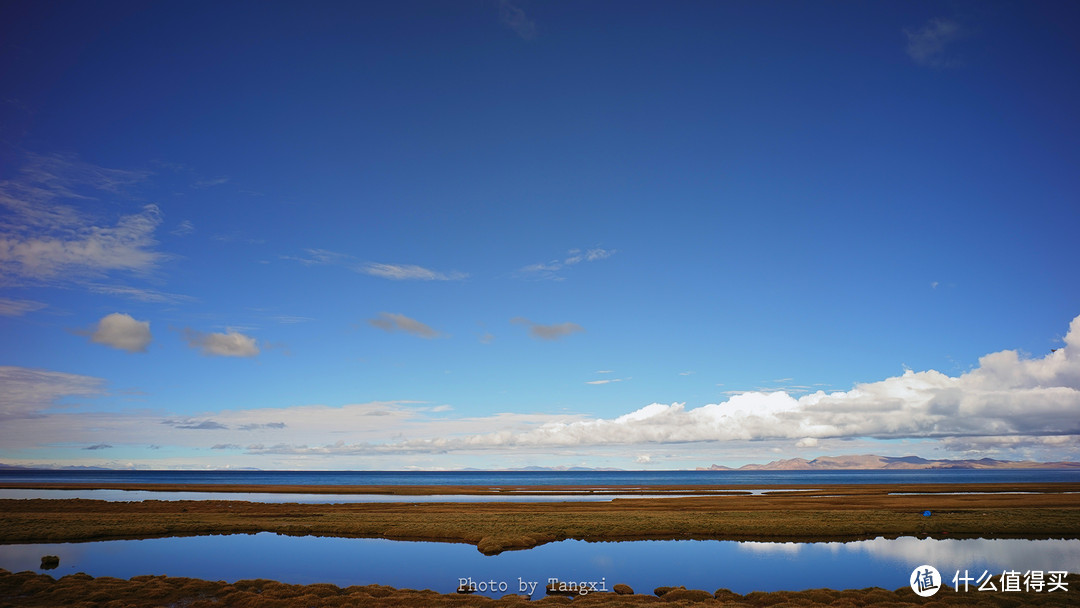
[812,513]
[30,590]
[838,513]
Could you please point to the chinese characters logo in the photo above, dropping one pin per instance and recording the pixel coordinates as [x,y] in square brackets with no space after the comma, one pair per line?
[925,580]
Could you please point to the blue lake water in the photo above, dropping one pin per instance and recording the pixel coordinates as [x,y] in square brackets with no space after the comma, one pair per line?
[541,478]
[280,497]
[644,565]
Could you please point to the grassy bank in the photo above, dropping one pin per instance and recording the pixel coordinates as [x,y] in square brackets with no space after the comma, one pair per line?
[29,590]
[810,514]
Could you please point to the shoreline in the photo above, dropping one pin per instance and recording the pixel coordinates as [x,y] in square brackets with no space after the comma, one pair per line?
[806,489]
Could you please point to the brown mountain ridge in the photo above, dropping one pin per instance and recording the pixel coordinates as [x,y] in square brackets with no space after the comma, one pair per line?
[872,462]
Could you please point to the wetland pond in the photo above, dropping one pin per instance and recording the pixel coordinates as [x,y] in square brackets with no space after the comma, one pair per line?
[644,565]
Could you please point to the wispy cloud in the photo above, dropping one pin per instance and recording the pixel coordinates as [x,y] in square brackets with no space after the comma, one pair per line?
[200,184]
[27,392]
[548,332]
[408,272]
[290,319]
[229,344]
[394,322]
[197,425]
[121,331]
[18,308]
[44,239]
[98,446]
[138,293]
[395,272]
[184,228]
[513,17]
[929,44]
[550,270]
[606,380]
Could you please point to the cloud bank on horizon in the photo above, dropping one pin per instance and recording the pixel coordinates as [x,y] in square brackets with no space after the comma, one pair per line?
[1007,401]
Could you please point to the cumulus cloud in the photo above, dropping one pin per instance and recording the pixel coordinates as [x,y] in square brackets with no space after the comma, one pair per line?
[1005,396]
[29,391]
[229,344]
[928,45]
[18,308]
[122,332]
[548,332]
[550,270]
[394,322]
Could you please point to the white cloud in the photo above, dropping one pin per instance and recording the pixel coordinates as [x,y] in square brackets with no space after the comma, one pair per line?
[29,391]
[927,45]
[1009,404]
[229,344]
[17,308]
[393,322]
[45,239]
[550,270]
[606,381]
[1005,396]
[404,272]
[548,332]
[643,459]
[513,17]
[395,272]
[138,293]
[121,331]
[82,249]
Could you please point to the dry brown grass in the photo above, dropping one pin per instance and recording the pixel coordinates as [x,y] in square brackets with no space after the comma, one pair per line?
[809,514]
[30,590]
[840,513]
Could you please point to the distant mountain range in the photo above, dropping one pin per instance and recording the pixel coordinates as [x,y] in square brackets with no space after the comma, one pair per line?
[871,462]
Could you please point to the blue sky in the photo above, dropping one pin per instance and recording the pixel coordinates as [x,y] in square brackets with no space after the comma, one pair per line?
[506,233]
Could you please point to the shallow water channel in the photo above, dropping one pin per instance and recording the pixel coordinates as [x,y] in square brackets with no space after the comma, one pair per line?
[644,565]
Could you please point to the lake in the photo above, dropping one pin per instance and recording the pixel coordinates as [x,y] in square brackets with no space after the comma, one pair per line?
[644,565]
[542,478]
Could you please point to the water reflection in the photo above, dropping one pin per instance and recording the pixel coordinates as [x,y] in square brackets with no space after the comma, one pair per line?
[644,565]
[278,497]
